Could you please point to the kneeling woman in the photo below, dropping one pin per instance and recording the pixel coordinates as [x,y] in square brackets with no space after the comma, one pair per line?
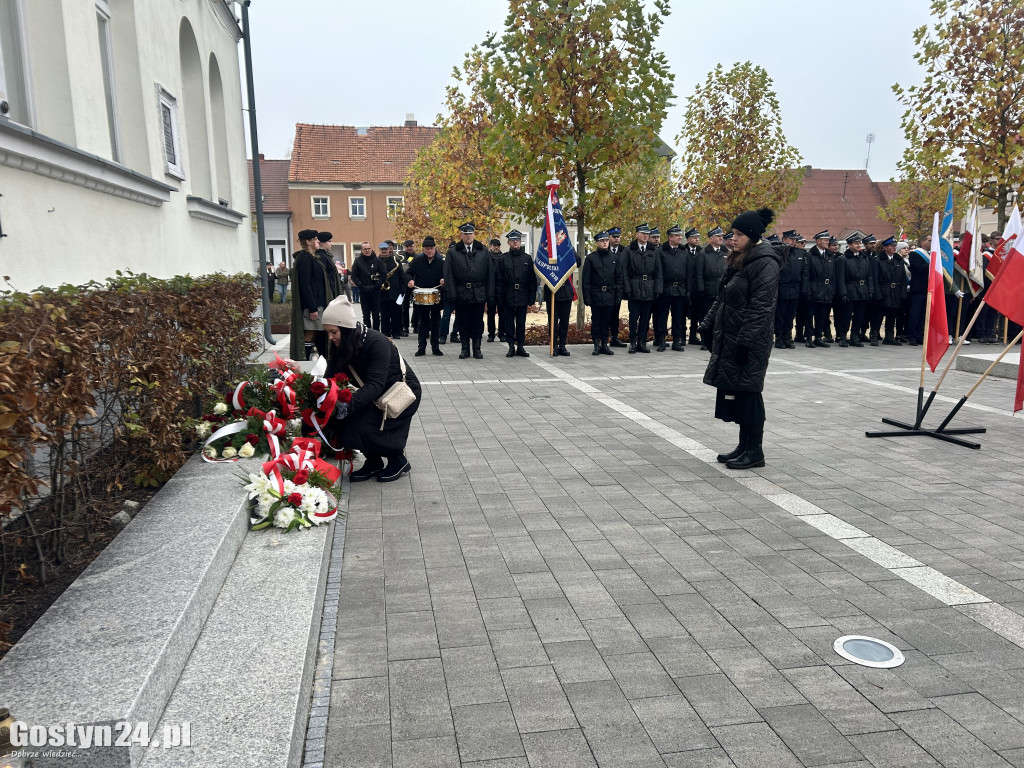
[370,359]
[738,330]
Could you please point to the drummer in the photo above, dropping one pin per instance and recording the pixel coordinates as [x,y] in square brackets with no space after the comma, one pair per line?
[426,275]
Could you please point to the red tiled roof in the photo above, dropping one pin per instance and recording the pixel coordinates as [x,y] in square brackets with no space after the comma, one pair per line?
[344,154]
[839,201]
[274,180]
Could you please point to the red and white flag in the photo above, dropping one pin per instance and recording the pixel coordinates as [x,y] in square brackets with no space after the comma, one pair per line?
[1006,296]
[938,328]
[1010,236]
[968,259]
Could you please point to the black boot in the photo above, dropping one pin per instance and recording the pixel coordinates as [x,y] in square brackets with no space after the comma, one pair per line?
[632,348]
[520,352]
[753,456]
[659,344]
[490,337]
[604,349]
[397,466]
[616,342]
[465,350]
[597,349]
[454,338]
[562,351]
[436,351]
[511,350]
[736,452]
[477,354]
[421,350]
[678,346]
[370,469]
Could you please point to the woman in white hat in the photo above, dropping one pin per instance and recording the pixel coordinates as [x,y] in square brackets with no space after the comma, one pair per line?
[373,363]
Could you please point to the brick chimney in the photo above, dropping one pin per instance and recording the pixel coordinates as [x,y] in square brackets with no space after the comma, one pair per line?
[410,120]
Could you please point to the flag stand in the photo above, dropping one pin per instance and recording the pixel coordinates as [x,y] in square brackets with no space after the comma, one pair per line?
[949,364]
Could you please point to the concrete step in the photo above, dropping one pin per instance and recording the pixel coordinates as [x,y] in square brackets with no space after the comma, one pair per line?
[113,646]
[978,362]
[247,687]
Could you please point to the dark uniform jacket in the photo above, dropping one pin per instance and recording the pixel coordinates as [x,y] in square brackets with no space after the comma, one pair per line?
[820,279]
[515,283]
[641,273]
[602,282]
[794,265]
[333,278]
[676,271]
[710,266]
[858,276]
[469,275]
[368,272]
[890,280]
[567,292]
[424,272]
[918,272]
[311,280]
[394,277]
[743,322]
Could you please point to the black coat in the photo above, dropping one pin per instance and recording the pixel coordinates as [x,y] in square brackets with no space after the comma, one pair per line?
[426,273]
[820,279]
[312,280]
[710,267]
[395,281]
[602,282]
[794,265]
[367,272]
[642,274]
[742,320]
[858,277]
[890,280]
[469,276]
[515,282]
[333,278]
[676,271]
[377,364]
[918,272]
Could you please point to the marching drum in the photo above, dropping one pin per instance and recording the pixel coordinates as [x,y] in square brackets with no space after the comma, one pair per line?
[426,296]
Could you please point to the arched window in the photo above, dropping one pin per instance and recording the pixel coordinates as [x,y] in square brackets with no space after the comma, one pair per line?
[193,106]
[220,131]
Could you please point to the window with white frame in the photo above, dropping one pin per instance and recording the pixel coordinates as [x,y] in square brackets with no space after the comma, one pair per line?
[107,67]
[356,250]
[14,104]
[170,134]
[357,207]
[395,205]
[321,207]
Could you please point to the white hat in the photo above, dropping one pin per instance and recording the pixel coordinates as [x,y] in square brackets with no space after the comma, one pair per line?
[340,313]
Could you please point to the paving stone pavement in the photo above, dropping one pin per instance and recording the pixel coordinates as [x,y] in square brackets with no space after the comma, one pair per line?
[567,578]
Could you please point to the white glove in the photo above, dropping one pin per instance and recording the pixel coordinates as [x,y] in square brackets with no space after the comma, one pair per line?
[959,294]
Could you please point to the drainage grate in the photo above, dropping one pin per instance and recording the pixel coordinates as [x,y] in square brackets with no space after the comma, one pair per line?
[868,651]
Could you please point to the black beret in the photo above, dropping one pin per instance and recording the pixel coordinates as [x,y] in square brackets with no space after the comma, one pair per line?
[308,234]
[323,237]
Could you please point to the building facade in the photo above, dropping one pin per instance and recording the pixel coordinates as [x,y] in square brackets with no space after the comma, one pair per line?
[121,140]
[349,181]
[277,215]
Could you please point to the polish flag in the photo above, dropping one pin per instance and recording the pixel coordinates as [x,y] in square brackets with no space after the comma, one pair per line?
[1010,235]
[1006,296]
[968,258]
[938,328]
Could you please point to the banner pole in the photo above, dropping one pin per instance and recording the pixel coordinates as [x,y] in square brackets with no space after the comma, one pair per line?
[949,363]
[977,384]
[551,323]
[959,312]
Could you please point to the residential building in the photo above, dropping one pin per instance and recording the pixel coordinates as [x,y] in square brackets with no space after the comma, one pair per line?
[277,215]
[349,181]
[121,140]
[844,202]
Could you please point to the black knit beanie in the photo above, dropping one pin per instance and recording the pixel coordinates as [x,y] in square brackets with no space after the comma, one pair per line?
[754,223]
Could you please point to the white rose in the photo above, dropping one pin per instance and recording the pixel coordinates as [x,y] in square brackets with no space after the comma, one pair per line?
[203,429]
[220,409]
[210,451]
[246,451]
[229,453]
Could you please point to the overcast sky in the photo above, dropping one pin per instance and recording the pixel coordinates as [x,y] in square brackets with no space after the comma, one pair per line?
[369,63]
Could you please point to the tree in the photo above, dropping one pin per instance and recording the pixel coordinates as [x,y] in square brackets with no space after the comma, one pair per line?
[575,86]
[970,107]
[918,193]
[736,155]
[642,190]
[452,180]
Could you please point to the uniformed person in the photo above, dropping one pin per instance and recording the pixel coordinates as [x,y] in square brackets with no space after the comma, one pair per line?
[641,273]
[693,251]
[326,256]
[408,307]
[890,278]
[791,281]
[515,289]
[368,276]
[820,286]
[859,281]
[710,266]
[562,309]
[655,238]
[838,300]
[427,271]
[617,250]
[677,284]
[392,289]
[469,275]
[601,287]
[495,312]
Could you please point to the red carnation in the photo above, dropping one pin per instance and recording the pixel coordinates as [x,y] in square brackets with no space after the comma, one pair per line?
[317,387]
[340,379]
[252,439]
[295,499]
[301,477]
[345,395]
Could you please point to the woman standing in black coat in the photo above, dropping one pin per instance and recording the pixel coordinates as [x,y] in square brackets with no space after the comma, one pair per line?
[738,329]
[372,362]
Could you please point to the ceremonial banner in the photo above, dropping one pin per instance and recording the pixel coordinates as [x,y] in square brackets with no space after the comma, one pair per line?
[1002,248]
[969,261]
[555,265]
[938,328]
[945,245]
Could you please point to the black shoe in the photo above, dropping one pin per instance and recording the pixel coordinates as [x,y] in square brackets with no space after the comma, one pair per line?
[437,352]
[604,349]
[420,352]
[857,343]
[372,467]
[597,350]
[822,344]
[902,339]
[844,343]
[799,339]
[617,343]
[864,338]
[704,347]
[874,342]
[520,352]
[511,351]
[454,338]
[443,340]
[790,344]
[915,343]
[736,452]
[465,350]
[678,346]
[632,348]
[561,351]
[490,337]
[809,344]
[780,344]
[661,347]
[643,348]
[477,354]
[828,339]
[397,466]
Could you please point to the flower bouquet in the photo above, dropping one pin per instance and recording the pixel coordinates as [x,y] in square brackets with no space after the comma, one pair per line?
[295,490]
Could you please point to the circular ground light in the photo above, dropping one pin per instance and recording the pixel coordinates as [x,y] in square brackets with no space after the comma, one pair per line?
[868,651]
